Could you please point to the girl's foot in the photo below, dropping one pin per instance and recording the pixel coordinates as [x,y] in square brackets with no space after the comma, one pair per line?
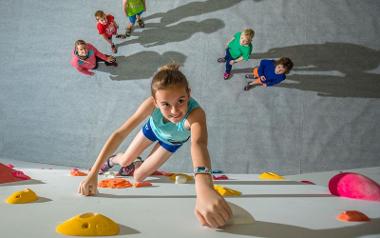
[130,169]
[141,23]
[107,165]
[221,60]
[226,76]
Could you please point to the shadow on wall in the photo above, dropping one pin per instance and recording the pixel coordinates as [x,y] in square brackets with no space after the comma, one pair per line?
[190,10]
[141,65]
[176,33]
[161,33]
[330,69]
[275,230]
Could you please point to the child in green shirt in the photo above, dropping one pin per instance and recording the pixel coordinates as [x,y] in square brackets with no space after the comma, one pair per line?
[133,10]
[238,48]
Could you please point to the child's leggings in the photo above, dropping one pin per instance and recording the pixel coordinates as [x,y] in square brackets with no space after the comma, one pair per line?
[228,58]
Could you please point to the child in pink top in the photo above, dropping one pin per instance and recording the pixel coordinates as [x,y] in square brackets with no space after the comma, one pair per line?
[85,57]
[107,27]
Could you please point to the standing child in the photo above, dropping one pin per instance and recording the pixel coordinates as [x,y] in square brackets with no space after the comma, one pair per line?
[238,48]
[107,27]
[269,73]
[173,118]
[85,57]
[133,10]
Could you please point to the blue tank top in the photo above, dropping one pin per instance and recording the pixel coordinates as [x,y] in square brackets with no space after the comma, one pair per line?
[169,132]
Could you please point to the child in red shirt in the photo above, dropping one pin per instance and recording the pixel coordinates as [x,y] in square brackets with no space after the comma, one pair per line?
[107,27]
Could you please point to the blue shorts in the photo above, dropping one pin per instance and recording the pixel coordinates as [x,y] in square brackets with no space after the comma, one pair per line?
[148,133]
[132,19]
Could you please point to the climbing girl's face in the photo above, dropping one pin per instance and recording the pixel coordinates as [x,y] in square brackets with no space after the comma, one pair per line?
[280,69]
[244,40]
[82,50]
[172,103]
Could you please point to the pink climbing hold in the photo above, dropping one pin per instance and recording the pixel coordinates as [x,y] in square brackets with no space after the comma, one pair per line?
[220,177]
[19,174]
[307,182]
[354,185]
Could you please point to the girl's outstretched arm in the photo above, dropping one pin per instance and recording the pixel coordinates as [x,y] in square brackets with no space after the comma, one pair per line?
[88,185]
[211,209]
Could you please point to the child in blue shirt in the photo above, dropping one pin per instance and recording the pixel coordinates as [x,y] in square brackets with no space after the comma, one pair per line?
[269,73]
[173,118]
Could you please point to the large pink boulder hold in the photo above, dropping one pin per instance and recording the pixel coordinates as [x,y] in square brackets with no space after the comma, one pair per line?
[354,185]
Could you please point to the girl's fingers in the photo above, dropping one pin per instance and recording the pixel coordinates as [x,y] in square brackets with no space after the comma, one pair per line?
[201,218]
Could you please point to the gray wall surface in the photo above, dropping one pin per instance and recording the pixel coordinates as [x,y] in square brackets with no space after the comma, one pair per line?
[323,117]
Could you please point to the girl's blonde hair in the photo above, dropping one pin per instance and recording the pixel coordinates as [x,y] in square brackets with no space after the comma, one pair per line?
[249,33]
[168,76]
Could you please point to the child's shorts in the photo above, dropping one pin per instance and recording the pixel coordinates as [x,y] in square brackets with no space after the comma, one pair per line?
[148,133]
[255,72]
[132,19]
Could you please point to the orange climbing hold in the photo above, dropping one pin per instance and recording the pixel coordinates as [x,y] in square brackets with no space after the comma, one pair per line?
[352,216]
[142,184]
[77,172]
[114,183]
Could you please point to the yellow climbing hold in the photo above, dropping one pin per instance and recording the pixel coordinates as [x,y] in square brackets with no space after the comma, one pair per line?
[270,175]
[24,196]
[224,191]
[89,224]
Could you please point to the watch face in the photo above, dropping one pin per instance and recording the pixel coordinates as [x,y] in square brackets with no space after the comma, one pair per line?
[201,170]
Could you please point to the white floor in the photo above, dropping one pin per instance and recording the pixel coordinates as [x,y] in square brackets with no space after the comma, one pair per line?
[271,208]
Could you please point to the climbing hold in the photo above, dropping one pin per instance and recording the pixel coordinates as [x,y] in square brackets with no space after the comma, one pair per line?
[352,216]
[174,175]
[224,191]
[114,183]
[77,172]
[180,179]
[20,197]
[220,177]
[89,224]
[354,185]
[142,184]
[307,182]
[270,175]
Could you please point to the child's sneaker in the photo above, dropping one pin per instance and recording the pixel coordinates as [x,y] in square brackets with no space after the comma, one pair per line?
[107,165]
[114,64]
[130,169]
[141,23]
[249,76]
[226,76]
[221,60]
[128,32]
[114,49]
[120,36]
